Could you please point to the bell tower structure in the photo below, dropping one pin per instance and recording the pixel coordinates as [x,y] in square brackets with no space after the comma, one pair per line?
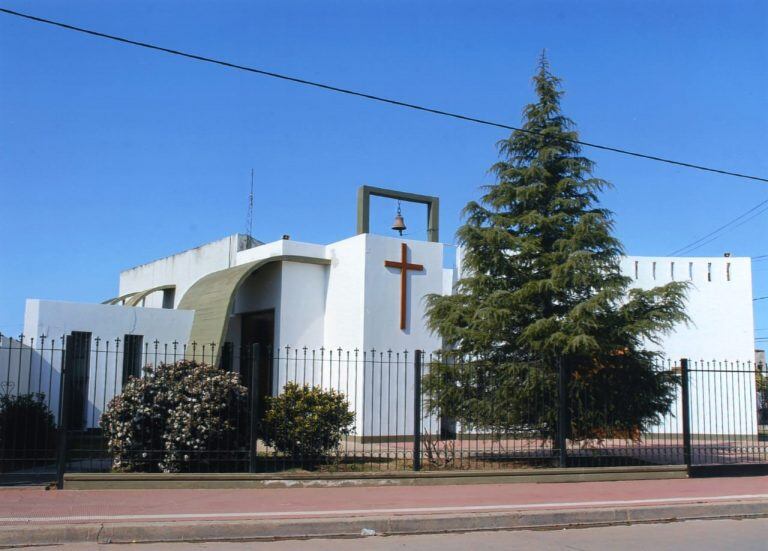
[364,208]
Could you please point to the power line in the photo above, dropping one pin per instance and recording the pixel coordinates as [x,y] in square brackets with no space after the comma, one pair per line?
[364,95]
[700,242]
[759,298]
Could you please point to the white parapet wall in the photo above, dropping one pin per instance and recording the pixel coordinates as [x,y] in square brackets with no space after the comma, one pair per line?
[182,269]
[718,341]
[35,365]
[719,304]
[55,318]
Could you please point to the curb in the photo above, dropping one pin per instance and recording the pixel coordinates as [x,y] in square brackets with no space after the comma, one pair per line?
[154,481]
[301,528]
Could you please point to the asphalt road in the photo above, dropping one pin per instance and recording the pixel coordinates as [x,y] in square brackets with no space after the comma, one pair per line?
[744,535]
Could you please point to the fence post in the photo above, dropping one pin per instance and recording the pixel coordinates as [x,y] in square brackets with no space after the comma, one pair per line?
[686,406]
[417,361]
[562,413]
[61,446]
[254,405]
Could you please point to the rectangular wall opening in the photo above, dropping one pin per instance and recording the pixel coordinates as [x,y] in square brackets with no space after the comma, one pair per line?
[169,295]
[78,359]
[258,328]
[132,345]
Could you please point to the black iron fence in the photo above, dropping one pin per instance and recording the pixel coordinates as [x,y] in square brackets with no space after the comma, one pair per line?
[64,407]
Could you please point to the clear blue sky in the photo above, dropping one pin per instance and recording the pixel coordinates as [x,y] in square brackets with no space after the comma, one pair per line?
[111,156]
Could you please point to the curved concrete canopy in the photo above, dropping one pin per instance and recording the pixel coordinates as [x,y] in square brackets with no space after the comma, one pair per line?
[213,296]
[118,300]
[138,297]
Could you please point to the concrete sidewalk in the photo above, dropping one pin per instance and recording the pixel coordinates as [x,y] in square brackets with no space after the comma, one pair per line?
[34,516]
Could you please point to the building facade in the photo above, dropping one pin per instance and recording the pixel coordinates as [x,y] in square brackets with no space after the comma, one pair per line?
[364,295]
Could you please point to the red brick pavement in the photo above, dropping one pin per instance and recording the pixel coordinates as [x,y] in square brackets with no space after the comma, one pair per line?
[25,506]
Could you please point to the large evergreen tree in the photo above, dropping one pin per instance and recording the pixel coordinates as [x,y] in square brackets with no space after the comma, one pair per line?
[542,284]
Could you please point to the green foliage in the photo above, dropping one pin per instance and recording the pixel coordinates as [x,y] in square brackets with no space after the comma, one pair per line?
[761,380]
[761,384]
[306,422]
[173,418]
[27,427]
[542,283]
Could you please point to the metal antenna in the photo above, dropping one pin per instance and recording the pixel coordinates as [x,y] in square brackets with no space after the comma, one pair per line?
[249,219]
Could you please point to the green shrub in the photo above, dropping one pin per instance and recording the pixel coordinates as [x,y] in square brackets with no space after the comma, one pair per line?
[27,428]
[306,422]
[178,417]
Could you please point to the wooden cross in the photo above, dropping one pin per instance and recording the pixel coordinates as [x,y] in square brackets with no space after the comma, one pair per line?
[403,266]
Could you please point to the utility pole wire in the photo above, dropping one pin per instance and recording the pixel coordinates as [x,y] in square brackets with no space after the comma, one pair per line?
[700,242]
[364,95]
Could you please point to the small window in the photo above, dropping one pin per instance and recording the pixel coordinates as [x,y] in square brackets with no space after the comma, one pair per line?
[672,270]
[227,357]
[690,271]
[709,271]
[169,296]
[132,356]
[653,270]
[728,271]
[637,269]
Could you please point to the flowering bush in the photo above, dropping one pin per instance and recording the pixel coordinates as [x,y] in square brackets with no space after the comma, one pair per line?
[176,418]
[27,429]
[306,422]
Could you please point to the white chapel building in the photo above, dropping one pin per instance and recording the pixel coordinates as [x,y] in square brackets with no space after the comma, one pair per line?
[362,293]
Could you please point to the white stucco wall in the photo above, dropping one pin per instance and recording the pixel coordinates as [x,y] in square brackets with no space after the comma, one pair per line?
[345,296]
[181,269]
[343,324]
[296,292]
[388,380]
[302,304]
[282,247]
[56,319]
[719,341]
[382,294]
[719,304]
[261,291]
[354,305]
[18,371]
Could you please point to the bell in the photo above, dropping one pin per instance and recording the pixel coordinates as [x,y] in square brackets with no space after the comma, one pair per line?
[399,224]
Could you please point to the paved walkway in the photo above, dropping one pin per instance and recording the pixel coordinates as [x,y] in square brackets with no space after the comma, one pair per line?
[31,506]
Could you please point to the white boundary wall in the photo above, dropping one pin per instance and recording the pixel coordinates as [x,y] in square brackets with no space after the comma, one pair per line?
[54,319]
[720,338]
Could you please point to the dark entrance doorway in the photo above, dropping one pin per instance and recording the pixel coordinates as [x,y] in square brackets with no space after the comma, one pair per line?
[78,355]
[258,328]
